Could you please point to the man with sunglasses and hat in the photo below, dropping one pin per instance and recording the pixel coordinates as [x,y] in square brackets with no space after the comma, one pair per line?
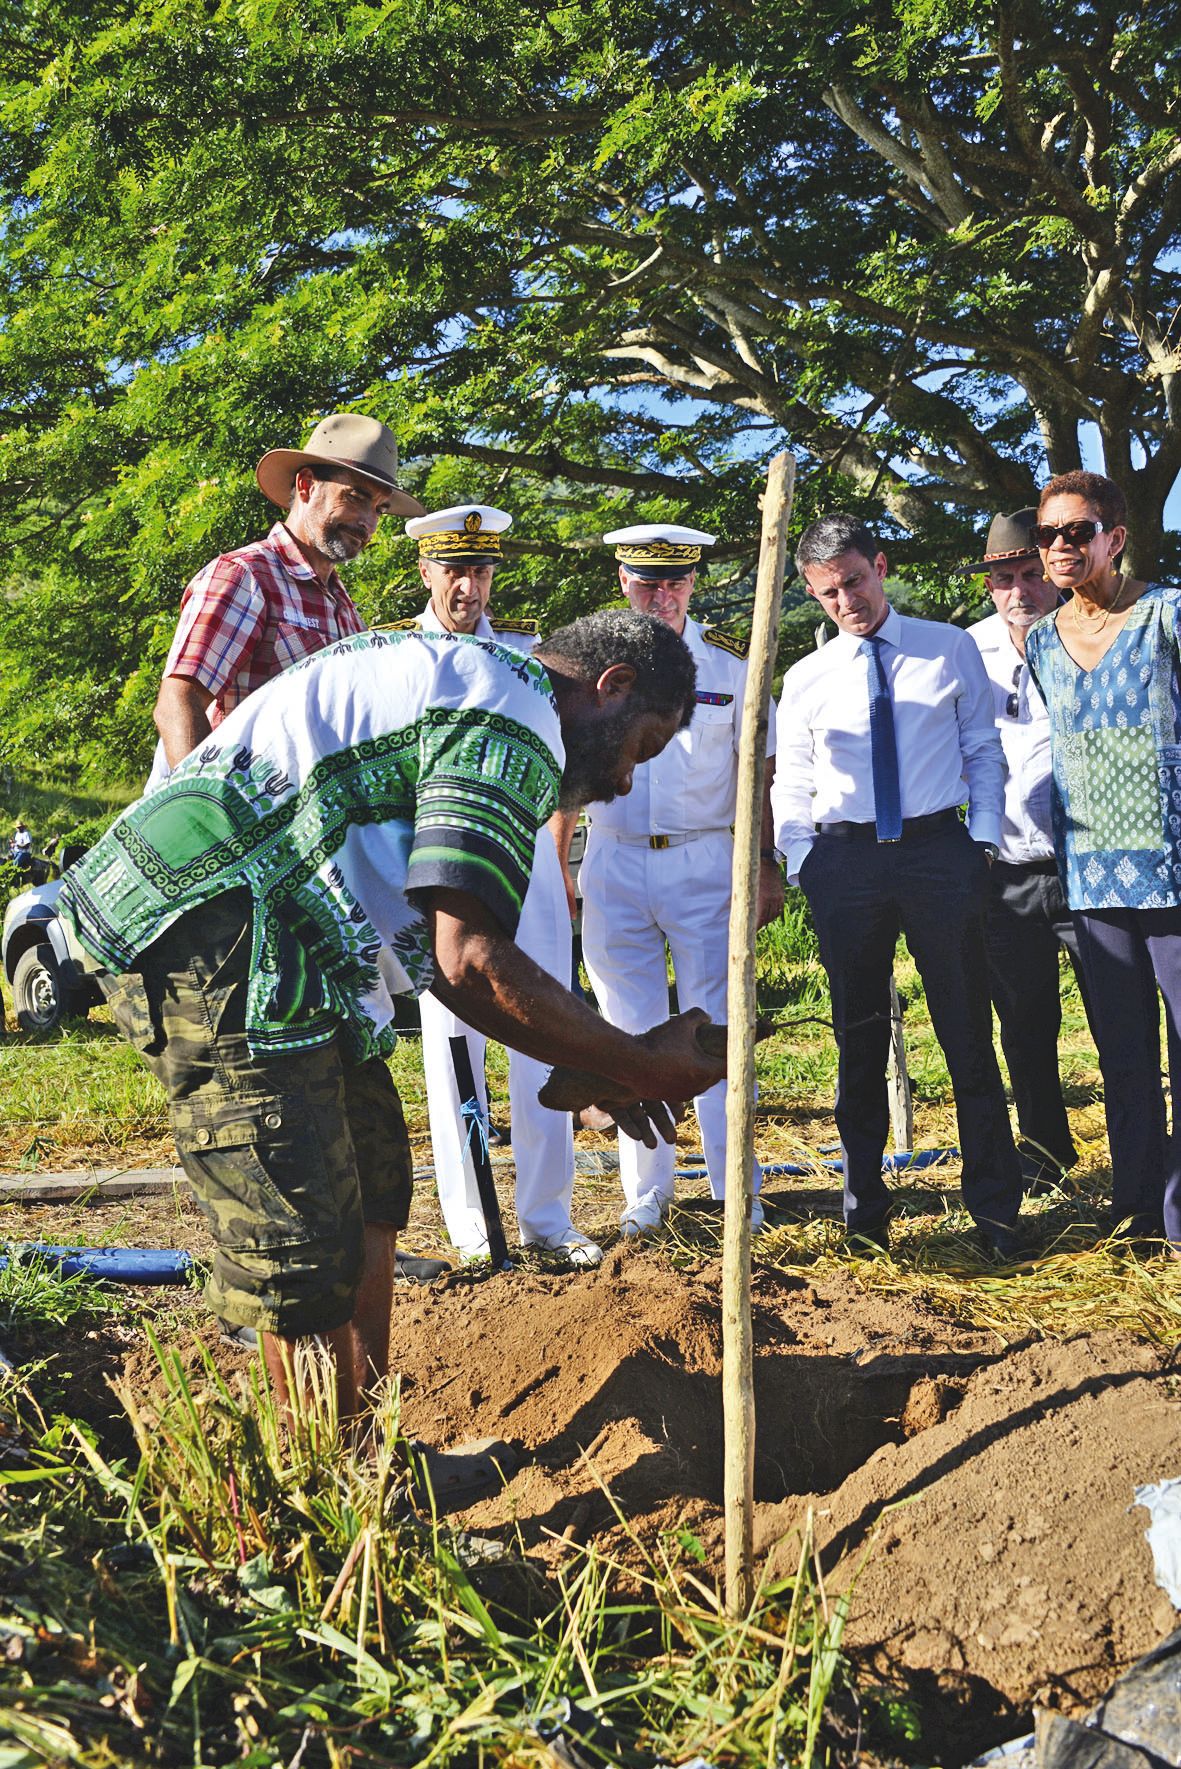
[1028,917]
[459,552]
[250,613]
[658,863]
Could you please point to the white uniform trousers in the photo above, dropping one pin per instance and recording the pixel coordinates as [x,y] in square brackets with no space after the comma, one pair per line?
[634,899]
[543,1141]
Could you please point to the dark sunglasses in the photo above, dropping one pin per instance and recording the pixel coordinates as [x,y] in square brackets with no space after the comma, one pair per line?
[1075,534]
[1013,703]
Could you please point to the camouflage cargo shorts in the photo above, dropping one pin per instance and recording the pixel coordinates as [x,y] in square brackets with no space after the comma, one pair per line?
[289,1155]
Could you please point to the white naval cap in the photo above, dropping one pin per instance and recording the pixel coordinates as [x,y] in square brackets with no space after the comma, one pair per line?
[464,533]
[657,549]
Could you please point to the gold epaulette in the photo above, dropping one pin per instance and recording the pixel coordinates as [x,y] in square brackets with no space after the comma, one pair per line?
[502,624]
[396,626]
[724,641]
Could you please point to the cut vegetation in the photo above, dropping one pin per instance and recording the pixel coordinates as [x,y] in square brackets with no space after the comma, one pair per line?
[946,1455]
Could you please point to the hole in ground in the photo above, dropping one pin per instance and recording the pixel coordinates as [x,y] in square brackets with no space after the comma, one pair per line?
[820,1417]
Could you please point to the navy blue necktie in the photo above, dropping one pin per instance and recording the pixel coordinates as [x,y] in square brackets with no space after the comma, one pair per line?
[883,748]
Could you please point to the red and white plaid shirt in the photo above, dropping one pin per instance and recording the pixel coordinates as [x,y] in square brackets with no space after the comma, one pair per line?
[250,613]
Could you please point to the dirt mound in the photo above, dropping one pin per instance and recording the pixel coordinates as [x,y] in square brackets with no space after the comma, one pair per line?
[1012,1567]
[1014,1559]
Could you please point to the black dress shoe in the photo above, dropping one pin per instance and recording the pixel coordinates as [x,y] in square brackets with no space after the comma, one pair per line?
[999,1243]
[498,1136]
[870,1238]
[1041,1173]
[419,1271]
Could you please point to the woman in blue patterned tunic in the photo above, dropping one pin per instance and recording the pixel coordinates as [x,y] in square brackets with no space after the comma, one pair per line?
[1106,664]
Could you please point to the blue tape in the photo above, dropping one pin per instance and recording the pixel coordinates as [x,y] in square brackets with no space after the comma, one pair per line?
[473,1117]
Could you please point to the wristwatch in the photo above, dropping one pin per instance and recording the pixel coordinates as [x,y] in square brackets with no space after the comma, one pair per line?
[991,849]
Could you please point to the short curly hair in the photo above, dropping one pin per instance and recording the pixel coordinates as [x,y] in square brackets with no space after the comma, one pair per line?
[666,675]
[1103,495]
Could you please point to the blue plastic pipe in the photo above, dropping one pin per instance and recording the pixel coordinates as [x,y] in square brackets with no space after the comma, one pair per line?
[110,1265]
[163,1265]
[913,1158]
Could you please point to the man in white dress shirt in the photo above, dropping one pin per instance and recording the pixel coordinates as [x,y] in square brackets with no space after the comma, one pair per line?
[1028,917]
[882,735]
[459,550]
[657,868]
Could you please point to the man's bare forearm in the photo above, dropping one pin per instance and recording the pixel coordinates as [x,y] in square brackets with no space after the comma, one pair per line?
[482,975]
[182,717]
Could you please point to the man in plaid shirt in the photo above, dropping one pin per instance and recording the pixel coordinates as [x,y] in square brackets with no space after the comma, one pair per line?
[250,613]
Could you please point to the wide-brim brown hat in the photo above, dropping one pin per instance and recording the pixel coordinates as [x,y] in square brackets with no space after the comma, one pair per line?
[346,439]
[1009,537]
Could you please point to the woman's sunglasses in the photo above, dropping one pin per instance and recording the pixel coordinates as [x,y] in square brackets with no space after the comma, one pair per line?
[1075,534]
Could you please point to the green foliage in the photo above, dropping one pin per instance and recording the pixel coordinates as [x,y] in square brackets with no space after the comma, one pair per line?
[595,263]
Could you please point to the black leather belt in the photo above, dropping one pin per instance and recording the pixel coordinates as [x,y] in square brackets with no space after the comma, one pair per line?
[1045,866]
[911,826]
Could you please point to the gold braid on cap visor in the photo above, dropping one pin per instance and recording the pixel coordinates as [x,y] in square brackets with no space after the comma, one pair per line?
[457,544]
[657,553]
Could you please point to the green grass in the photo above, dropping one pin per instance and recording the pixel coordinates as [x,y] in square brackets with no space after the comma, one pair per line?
[85,1087]
[269,1599]
[57,804]
[34,1295]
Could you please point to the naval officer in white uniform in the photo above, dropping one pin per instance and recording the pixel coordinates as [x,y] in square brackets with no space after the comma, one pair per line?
[658,862]
[458,553]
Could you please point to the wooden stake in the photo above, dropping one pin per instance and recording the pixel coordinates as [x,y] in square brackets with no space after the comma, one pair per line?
[738,1393]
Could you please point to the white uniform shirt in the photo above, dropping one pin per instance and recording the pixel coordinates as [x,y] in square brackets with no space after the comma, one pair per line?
[948,749]
[429,622]
[693,783]
[1026,833]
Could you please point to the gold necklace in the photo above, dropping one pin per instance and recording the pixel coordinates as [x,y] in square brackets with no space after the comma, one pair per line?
[1107,612]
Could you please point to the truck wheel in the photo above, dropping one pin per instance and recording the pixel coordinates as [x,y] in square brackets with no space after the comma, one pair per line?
[37,994]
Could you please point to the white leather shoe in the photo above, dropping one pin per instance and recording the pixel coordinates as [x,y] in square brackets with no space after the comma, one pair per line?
[644,1216]
[579,1249]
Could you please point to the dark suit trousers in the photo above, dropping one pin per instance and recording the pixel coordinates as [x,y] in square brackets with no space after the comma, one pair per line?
[1128,955]
[932,888]
[1028,922]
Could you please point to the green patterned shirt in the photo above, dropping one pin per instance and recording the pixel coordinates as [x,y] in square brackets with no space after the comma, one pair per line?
[384,766]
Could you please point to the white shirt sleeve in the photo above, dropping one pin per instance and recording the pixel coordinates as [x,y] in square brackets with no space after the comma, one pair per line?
[980,745]
[793,788]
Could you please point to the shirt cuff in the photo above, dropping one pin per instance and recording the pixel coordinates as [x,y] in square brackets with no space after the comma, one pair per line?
[985,826]
[795,854]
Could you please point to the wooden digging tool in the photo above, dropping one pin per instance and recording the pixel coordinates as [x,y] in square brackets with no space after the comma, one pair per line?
[738,1390]
[475,1133]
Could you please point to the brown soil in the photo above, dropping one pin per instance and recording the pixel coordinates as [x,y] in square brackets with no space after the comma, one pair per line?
[983,1490]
